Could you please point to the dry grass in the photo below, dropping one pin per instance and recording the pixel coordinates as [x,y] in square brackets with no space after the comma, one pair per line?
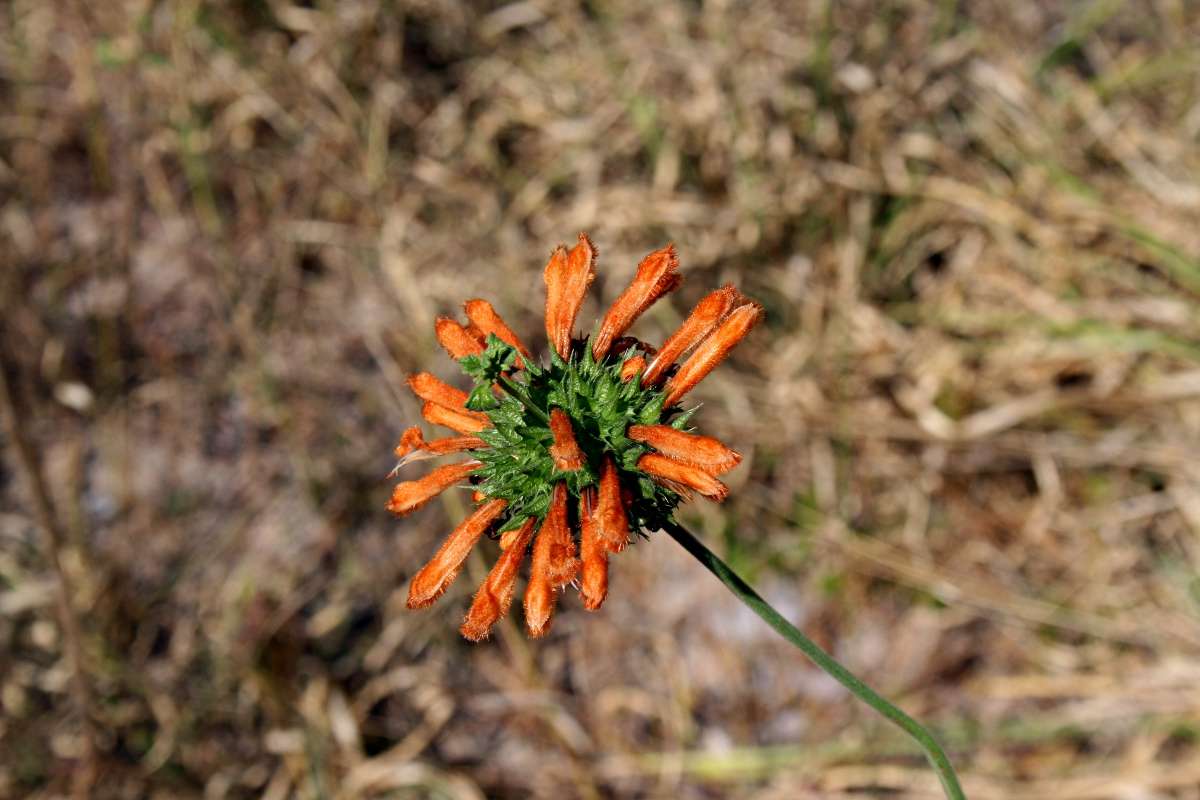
[971,423]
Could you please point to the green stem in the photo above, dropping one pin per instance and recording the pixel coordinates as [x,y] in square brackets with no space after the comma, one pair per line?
[744,592]
[516,391]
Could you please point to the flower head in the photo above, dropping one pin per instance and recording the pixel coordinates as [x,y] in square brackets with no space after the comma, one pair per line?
[571,459]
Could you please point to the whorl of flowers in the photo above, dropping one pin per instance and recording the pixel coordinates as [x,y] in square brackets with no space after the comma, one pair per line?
[568,460]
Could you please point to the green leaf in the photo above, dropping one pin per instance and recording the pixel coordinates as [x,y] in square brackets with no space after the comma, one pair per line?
[482,399]
[496,359]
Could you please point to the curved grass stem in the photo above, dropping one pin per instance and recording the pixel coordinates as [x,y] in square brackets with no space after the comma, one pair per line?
[745,593]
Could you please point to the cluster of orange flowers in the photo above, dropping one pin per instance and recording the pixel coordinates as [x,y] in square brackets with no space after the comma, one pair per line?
[682,461]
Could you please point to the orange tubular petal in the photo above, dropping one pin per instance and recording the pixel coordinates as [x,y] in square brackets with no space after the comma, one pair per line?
[413,446]
[554,564]
[677,472]
[509,537]
[456,419]
[454,444]
[494,597]
[704,452]
[565,452]
[411,495]
[712,351]
[563,565]
[612,523]
[707,314]
[568,275]
[485,319]
[593,584]
[411,441]
[459,341]
[428,387]
[632,367]
[656,275]
[428,584]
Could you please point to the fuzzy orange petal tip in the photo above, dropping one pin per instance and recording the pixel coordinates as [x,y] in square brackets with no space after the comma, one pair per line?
[554,564]
[593,580]
[656,276]
[458,340]
[712,351]
[568,275]
[565,451]
[705,452]
[495,595]
[632,367]
[486,320]
[674,473]
[456,419]
[612,523]
[411,495]
[431,389]
[433,579]
[707,314]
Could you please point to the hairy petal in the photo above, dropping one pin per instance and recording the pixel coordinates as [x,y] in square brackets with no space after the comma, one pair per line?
[456,419]
[712,351]
[677,472]
[553,565]
[632,367]
[413,446]
[428,584]
[458,340]
[565,451]
[484,319]
[495,595]
[411,495]
[593,584]
[434,390]
[568,275]
[705,452]
[656,275]
[707,314]
[612,523]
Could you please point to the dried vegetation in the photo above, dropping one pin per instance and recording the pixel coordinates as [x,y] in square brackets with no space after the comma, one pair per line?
[971,421]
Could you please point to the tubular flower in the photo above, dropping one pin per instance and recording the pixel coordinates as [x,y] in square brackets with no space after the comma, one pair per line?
[568,460]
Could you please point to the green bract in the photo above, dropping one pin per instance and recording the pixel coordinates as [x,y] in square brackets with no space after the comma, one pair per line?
[517,465]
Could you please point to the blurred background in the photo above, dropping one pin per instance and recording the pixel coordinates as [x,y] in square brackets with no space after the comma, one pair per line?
[971,419]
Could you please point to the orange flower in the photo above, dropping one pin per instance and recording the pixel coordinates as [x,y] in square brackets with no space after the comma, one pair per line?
[565,452]
[413,446]
[458,341]
[712,350]
[456,419]
[593,584]
[559,434]
[568,275]
[495,595]
[554,565]
[656,276]
[427,387]
[411,495]
[485,320]
[707,314]
[612,523]
[428,584]
[676,473]
[632,366]
[704,452]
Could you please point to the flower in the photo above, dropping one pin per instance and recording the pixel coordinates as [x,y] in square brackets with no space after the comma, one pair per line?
[568,460]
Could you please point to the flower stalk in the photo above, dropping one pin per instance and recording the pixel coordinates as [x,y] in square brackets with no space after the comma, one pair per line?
[744,592]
